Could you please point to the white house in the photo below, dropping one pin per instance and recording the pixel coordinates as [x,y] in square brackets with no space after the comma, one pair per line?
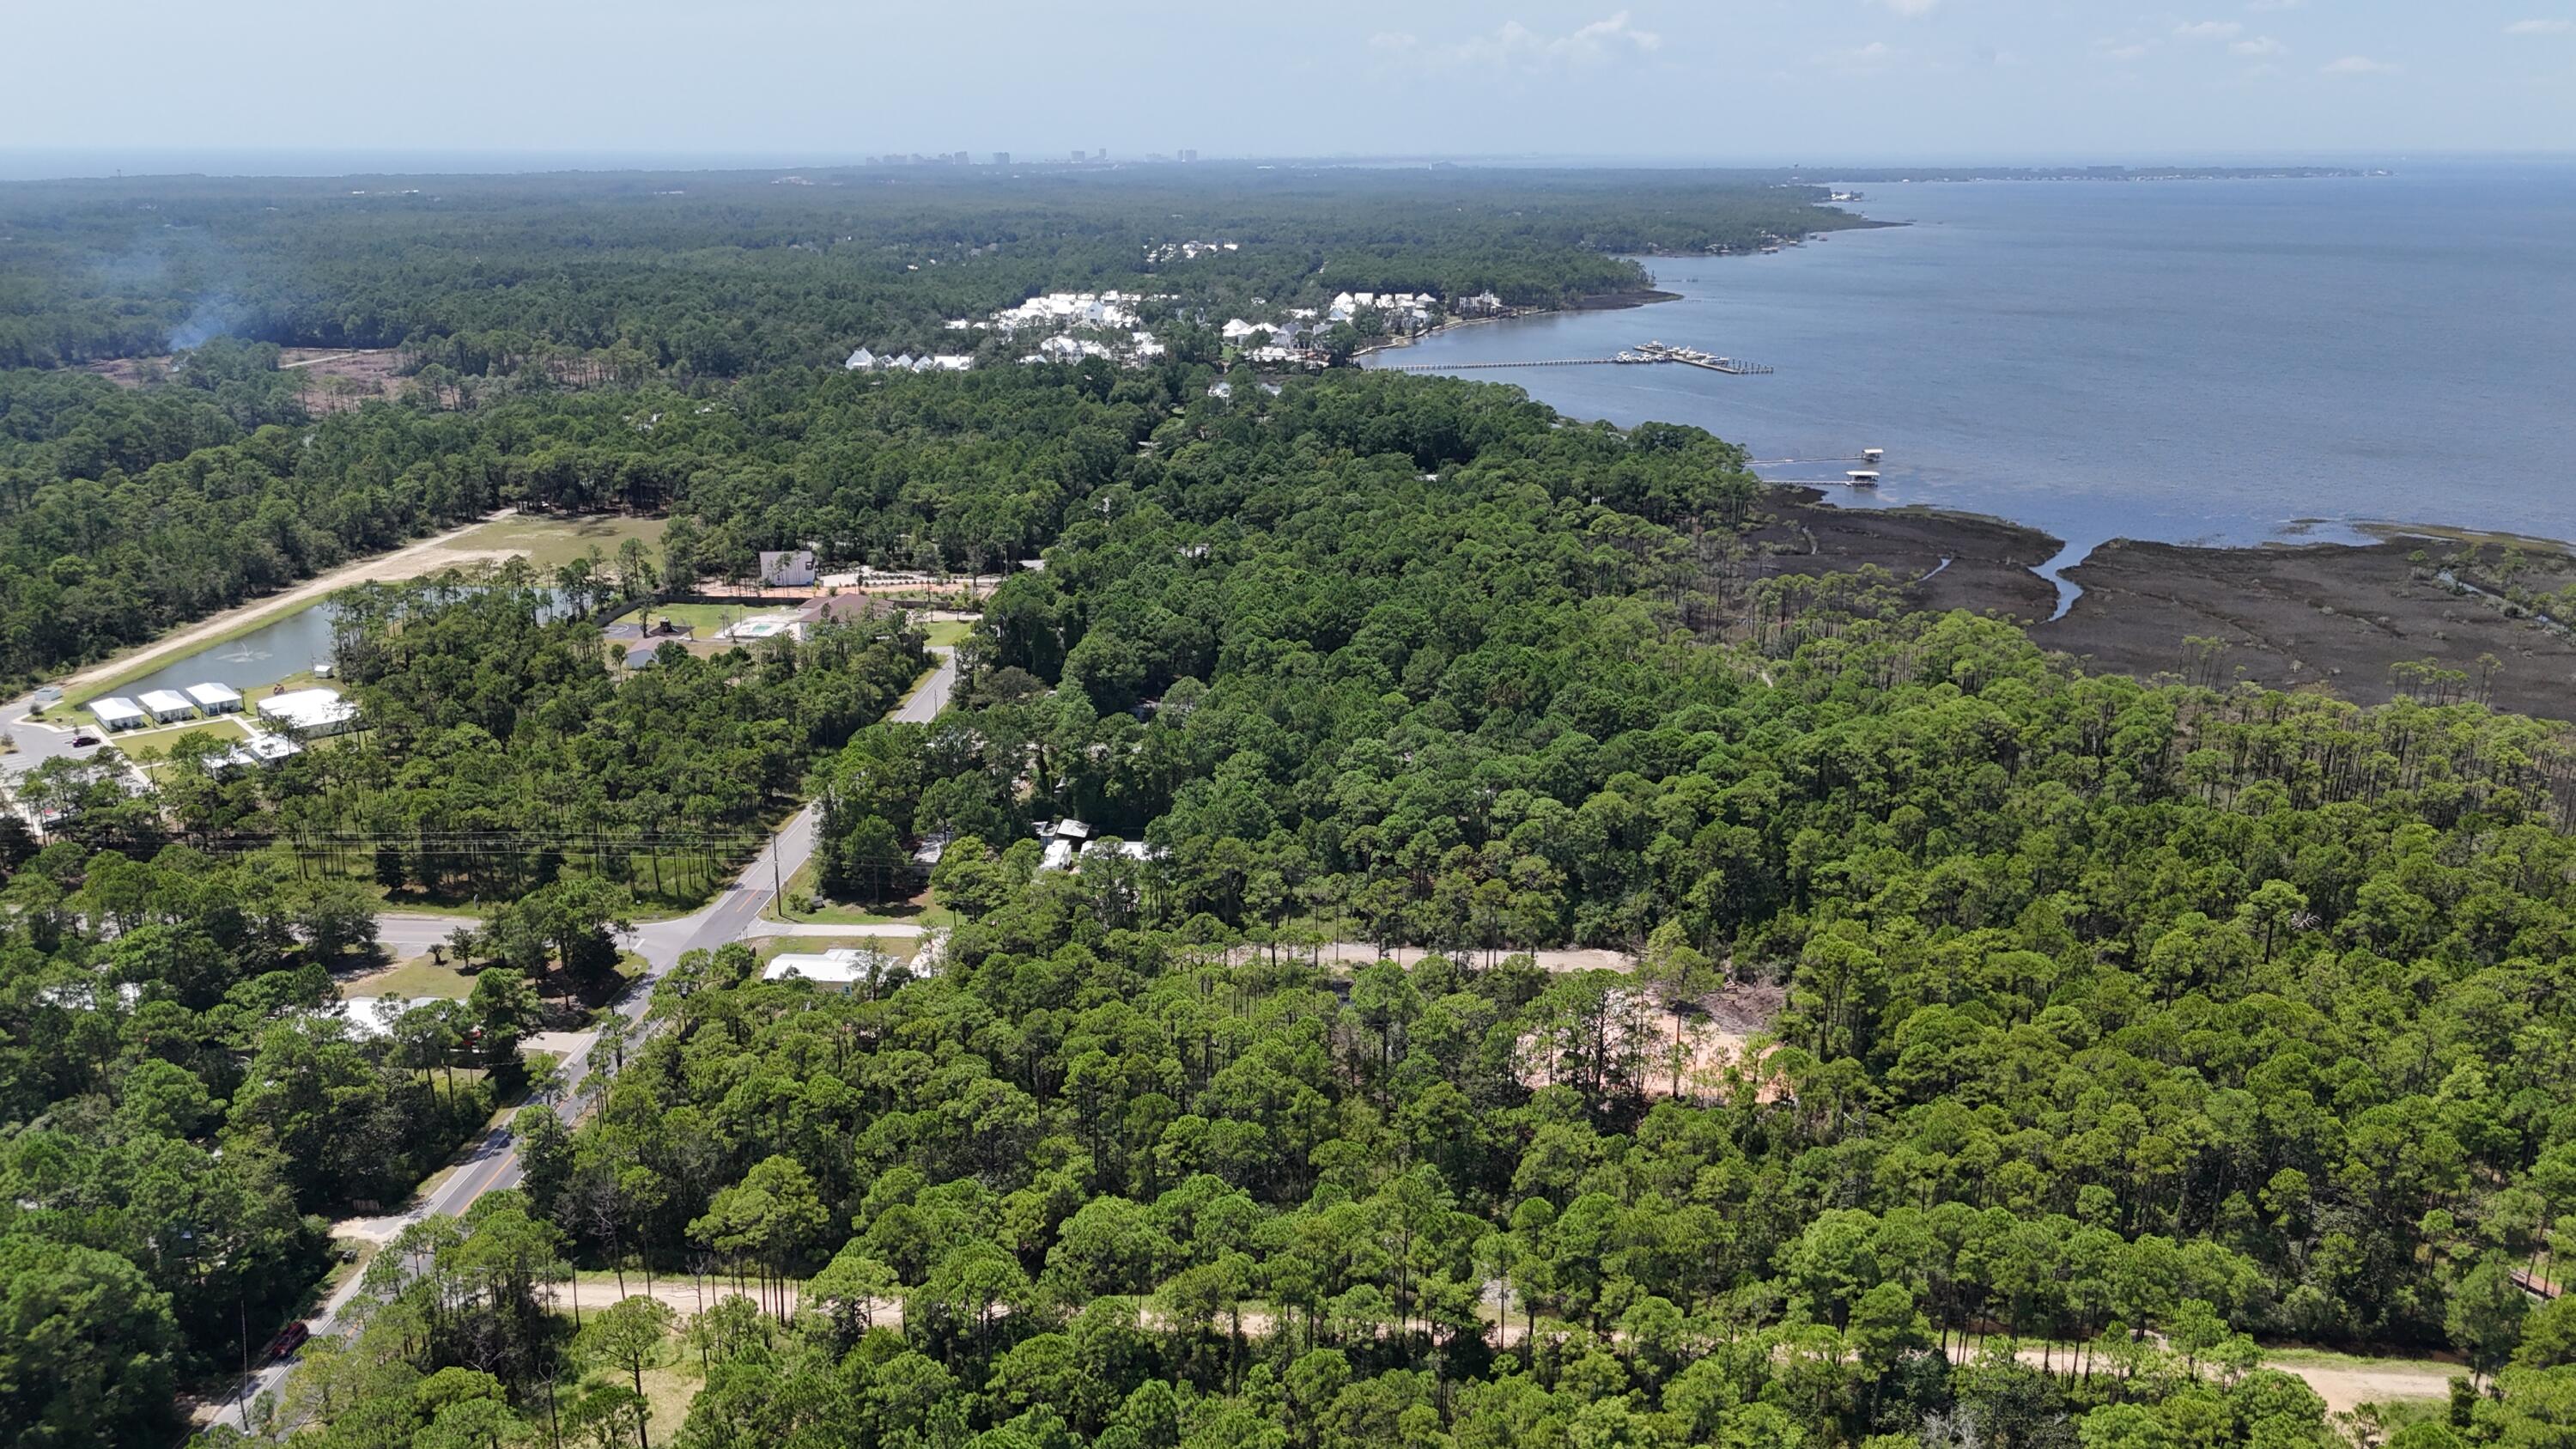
[167,705]
[839,969]
[952,362]
[861,360]
[374,1016]
[309,712]
[216,698]
[116,712]
[787,569]
[1238,329]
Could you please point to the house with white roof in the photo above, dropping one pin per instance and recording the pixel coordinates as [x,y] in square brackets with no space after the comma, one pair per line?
[861,360]
[212,698]
[309,713]
[168,706]
[841,969]
[116,712]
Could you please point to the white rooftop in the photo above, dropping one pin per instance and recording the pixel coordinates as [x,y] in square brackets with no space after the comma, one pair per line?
[374,1016]
[116,709]
[167,701]
[314,710]
[213,696]
[840,966]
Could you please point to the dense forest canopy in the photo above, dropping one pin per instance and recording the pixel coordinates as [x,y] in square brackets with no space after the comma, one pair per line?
[2000,1051]
[720,273]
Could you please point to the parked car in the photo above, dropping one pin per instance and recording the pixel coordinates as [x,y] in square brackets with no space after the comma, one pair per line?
[83,741]
[288,1340]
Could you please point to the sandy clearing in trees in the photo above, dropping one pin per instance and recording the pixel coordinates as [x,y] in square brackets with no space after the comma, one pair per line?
[425,557]
[686,1295]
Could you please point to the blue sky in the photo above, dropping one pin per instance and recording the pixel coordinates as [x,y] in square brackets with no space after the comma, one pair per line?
[1769,81]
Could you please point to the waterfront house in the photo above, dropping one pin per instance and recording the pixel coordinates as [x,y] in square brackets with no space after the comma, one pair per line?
[118,713]
[212,698]
[168,706]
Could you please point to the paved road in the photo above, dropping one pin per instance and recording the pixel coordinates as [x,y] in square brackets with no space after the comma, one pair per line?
[926,702]
[37,741]
[492,1163]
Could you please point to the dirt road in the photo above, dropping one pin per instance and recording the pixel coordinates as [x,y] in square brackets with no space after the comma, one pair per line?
[425,557]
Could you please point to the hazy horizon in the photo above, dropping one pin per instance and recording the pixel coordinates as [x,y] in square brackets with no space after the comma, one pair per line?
[294,162]
[1742,82]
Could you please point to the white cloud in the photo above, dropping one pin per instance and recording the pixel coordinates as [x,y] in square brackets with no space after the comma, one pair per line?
[1911,8]
[1516,47]
[2357,65]
[2260,45]
[2132,46]
[1871,59]
[2540,27]
[1394,40]
[2209,30]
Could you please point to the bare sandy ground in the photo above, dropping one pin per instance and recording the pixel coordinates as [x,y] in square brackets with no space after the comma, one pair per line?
[2342,1388]
[425,557]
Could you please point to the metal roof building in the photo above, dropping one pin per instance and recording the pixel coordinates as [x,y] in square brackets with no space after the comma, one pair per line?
[167,705]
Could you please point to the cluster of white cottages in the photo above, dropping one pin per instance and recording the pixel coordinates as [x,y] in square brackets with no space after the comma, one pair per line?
[1115,334]
[866,361]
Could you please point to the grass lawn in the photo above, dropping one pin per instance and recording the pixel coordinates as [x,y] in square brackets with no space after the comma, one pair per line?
[551,543]
[702,619]
[893,948]
[949,631]
[418,976]
[668,1390]
[2288,1356]
[920,911]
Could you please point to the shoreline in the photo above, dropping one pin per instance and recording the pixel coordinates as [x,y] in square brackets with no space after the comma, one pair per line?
[426,555]
[2335,617]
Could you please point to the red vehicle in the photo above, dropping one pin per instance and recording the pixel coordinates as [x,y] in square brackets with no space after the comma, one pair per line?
[288,1340]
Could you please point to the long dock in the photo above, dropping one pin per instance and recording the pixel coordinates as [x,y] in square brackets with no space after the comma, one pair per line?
[1545,362]
[1645,356]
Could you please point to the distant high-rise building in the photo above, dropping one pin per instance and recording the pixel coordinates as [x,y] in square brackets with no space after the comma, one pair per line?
[1188,154]
[1001,158]
[1103,154]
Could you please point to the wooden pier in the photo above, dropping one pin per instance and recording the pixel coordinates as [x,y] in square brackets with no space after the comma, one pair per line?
[1732,367]
[1465,366]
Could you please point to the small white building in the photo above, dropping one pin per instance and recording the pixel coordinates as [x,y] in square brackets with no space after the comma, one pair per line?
[116,712]
[861,360]
[374,1016]
[309,713]
[789,569]
[215,698]
[167,705]
[841,969]
[260,749]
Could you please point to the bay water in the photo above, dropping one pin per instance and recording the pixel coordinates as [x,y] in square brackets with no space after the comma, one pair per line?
[2214,362]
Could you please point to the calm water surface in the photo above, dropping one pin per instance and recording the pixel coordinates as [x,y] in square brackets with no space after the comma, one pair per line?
[2196,362]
